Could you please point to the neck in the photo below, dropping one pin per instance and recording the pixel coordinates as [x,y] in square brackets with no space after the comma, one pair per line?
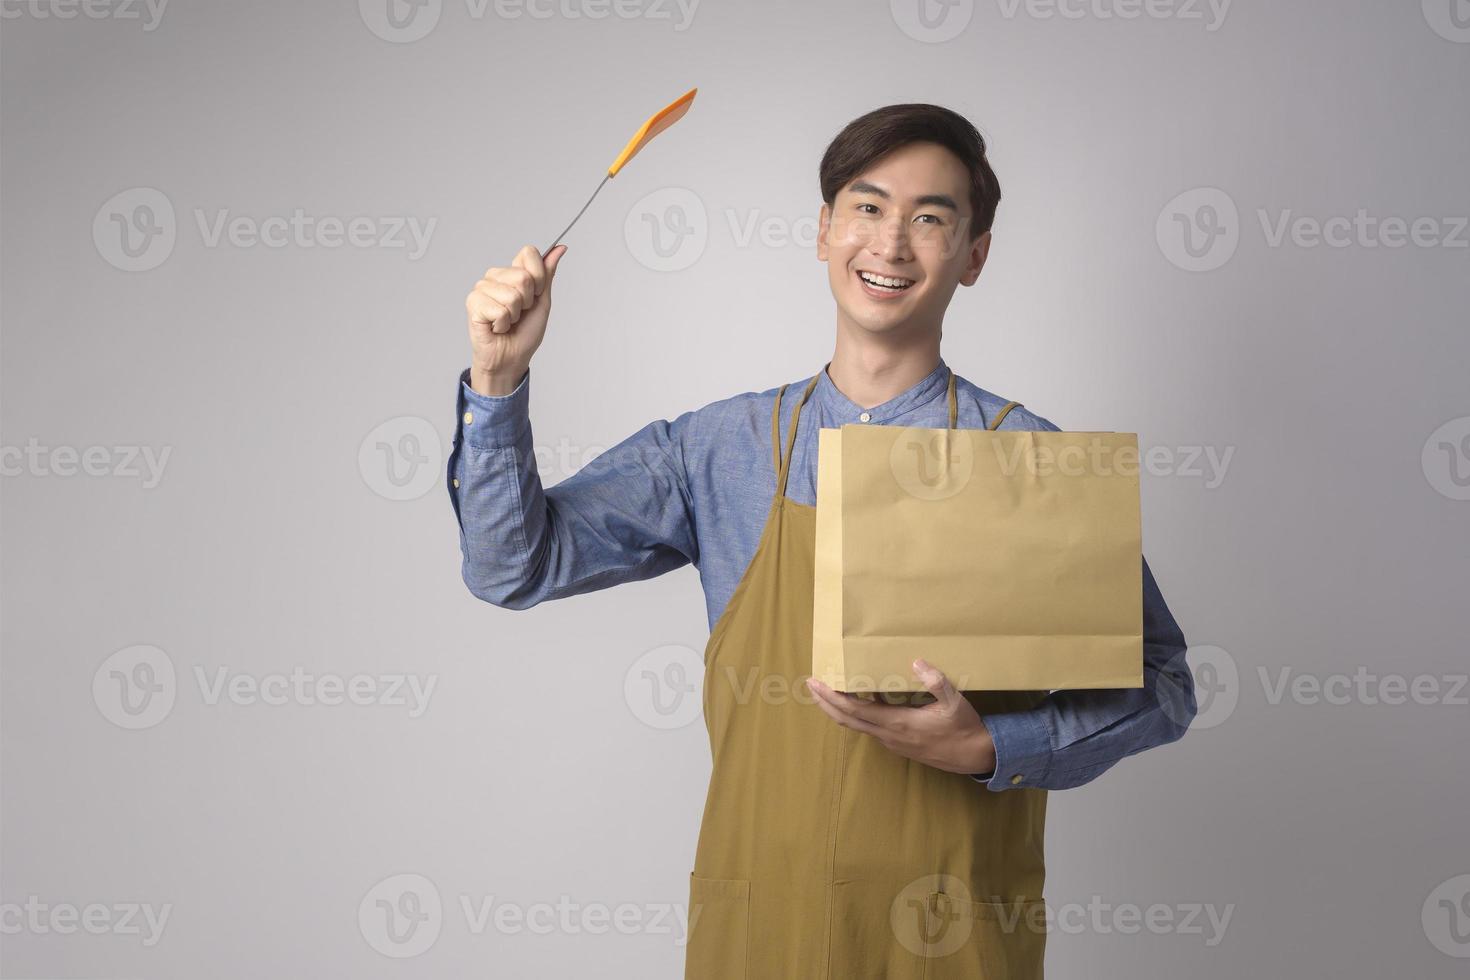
[870,371]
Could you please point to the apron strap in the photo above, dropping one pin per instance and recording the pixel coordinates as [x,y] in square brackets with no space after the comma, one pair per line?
[1003,412]
[776,434]
[783,465]
[954,405]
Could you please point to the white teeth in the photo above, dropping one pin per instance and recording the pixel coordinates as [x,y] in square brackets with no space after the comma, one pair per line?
[887,281]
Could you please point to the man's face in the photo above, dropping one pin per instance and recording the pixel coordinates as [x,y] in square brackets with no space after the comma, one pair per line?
[907,217]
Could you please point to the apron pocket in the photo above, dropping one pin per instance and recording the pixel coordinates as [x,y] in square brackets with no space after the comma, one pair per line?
[985,940]
[719,925]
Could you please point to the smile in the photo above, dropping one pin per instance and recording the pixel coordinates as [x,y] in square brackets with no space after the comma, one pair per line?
[883,286]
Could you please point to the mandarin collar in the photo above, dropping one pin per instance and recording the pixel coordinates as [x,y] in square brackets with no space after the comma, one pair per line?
[838,409]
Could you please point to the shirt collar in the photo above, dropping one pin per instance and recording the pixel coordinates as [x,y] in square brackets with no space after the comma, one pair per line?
[838,409]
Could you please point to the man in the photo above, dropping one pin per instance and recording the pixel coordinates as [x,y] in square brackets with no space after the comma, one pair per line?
[842,837]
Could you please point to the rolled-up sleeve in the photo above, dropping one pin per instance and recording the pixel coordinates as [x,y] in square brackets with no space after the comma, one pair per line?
[625,516]
[1074,736]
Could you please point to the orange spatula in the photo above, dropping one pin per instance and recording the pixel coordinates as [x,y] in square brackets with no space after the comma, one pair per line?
[657,123]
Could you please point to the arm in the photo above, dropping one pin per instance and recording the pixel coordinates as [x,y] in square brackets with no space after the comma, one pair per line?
[1073,736]
[623,517]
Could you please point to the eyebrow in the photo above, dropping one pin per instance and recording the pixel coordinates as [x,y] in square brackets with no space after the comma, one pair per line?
[938,200]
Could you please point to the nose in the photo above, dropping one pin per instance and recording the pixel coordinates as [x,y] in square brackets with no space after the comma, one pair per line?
[891,242]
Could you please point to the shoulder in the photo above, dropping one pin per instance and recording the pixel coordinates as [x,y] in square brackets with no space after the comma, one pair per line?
[1020,418]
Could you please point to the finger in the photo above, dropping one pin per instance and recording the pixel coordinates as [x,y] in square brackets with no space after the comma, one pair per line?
[512,298]
[846,720]
[882,715]
[488,311]
[529,260]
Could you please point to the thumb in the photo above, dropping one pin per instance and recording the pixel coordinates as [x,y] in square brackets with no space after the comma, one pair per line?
[936,683]
[552,260]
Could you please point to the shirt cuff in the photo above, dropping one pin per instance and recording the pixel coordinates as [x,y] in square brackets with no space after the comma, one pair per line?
[1022,751]
[493,421]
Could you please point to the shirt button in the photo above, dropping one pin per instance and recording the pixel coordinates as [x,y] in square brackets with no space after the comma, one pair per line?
[1016,778]
[865,416]
[469,417]
[456,483]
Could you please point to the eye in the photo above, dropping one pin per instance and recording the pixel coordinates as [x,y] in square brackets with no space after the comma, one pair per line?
[864,204]
[937,219]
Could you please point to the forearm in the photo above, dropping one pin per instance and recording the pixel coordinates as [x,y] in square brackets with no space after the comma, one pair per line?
[498,499]
[626,515]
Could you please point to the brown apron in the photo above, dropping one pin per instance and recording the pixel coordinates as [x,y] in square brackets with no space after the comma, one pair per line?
[823,855]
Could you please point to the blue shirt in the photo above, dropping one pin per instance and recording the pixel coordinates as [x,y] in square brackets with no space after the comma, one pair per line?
[697,489]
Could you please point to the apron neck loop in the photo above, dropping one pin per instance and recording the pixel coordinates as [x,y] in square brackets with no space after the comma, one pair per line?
[954,405]
[783,463]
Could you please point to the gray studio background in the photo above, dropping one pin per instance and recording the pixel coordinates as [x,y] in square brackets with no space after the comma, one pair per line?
[1154,270]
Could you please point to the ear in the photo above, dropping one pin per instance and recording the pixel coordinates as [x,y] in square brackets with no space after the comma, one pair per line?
[824,225]
[979,252]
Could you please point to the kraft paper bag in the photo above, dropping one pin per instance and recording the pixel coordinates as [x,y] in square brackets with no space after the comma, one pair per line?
[1009,560]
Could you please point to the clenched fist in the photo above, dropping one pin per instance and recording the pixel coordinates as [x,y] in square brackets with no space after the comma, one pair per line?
[508,310]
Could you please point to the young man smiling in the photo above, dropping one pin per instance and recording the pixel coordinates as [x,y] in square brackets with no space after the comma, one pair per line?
[842,836]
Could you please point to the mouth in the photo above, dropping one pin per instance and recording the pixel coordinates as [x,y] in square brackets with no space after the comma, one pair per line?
[882,287]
